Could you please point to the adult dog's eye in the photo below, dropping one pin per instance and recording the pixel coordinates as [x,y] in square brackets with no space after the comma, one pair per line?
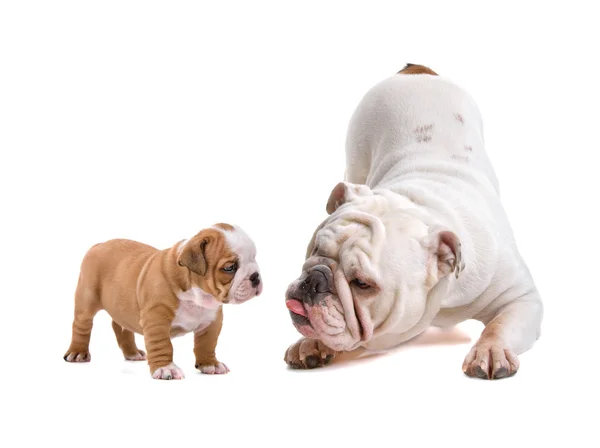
[231,268]
[361,284]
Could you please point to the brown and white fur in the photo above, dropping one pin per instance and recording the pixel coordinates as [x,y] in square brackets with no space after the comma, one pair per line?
[162,294]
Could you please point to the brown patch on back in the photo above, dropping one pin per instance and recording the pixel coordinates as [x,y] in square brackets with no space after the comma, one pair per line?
[416,69]
[224,226]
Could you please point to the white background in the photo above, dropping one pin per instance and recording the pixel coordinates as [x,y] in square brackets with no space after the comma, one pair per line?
[150,120]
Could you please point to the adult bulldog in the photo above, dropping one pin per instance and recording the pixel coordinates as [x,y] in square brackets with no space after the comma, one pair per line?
[416,236]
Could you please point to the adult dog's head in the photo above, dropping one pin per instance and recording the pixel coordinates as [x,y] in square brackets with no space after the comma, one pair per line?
[369,268]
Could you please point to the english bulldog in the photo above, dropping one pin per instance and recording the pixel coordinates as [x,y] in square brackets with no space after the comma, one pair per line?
[162,294]
[416,236]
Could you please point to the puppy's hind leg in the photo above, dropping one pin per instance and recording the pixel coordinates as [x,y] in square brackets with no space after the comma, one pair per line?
[126,341]
[87,304]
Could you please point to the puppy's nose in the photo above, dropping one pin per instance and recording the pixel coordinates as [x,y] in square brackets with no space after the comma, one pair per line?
[255,279]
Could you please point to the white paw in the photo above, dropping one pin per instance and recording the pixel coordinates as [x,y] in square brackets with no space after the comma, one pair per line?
[213,369]
[168,372]
[490,360]
[83,356]
[139,356]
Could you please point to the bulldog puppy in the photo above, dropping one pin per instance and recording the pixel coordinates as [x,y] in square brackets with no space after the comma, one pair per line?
[416,236]
[162,294]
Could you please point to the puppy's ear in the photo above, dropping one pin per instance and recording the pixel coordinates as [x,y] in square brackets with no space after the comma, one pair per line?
[445,247]
[193,255]
[345,192]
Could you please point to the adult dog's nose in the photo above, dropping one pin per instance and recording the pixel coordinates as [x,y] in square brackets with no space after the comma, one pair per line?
[314,283]
[255,279]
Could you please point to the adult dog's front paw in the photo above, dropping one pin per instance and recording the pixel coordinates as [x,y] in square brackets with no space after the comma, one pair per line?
[308,354]
[490,360]
[217,368]
[168,372]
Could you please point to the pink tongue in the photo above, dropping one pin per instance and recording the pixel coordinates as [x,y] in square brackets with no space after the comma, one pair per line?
[295,306]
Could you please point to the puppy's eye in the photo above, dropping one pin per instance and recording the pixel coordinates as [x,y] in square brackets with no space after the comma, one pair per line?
[360,284]
[231,268]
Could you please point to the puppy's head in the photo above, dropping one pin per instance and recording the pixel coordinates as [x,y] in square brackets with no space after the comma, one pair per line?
[222,261]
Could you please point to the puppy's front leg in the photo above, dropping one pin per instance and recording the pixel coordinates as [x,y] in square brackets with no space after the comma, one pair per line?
[156,323]
[205,344]
[512,330]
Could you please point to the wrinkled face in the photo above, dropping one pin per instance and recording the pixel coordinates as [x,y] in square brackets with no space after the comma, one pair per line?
[368,270]
[222,262]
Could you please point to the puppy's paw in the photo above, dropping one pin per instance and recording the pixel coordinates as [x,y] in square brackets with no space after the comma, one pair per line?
[168,372]
[308,354]
[490,360]
[218,368]
[77,356]
[139,355]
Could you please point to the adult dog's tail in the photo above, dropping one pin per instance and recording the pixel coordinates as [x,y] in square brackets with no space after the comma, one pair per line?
[416,69]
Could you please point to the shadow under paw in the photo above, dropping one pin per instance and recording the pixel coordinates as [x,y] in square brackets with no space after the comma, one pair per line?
[312,362]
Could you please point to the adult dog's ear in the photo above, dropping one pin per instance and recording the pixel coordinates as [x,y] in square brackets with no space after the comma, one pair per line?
[445,247]
[193,254]
[345,192]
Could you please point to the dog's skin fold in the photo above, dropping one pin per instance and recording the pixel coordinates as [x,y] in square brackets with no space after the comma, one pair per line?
[162,294]
[416,235]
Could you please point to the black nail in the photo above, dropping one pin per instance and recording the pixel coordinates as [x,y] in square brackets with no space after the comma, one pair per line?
[311,361]
[502,372]
[480,373]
